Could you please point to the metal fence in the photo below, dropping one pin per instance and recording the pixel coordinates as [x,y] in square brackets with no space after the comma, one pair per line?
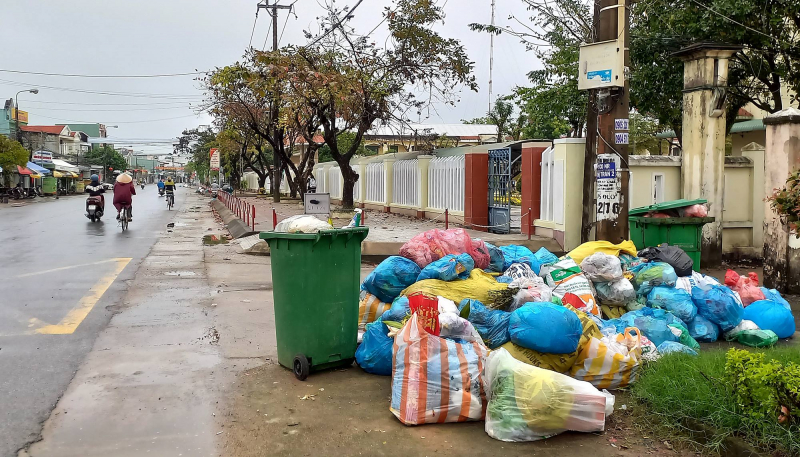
[446,183]
[375,182]
[333,182]
[405,183]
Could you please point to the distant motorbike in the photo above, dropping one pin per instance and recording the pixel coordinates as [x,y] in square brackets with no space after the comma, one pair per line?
[161,192]
[94,208]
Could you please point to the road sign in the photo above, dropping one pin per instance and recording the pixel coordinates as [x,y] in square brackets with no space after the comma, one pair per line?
[214,159]
[43,156]
[317,203]
[608,186]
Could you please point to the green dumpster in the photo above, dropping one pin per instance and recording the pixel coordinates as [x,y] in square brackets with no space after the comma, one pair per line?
[315,284]
[683,232]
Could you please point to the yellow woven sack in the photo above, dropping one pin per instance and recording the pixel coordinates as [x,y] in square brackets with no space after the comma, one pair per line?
[479,286]
[587,249]
[369,309]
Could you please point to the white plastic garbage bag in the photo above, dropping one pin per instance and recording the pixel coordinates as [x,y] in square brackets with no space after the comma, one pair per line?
[527,403]
[602,267]
[302,223]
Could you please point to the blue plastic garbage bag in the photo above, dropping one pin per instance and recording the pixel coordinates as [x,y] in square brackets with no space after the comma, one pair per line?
[719,305]
[668,347]
[505,279]
[518,254]
[496,259]
[653,323]
[448,268]
[546,327]
[769,315]
[544,257]
[676,301]
[398,311]
[492,325]
[390,277]
[774,295]
[652,274]
[374,354]
[703,330]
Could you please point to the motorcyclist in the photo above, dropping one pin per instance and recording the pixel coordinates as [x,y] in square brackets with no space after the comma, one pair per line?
[96,189]
[169,186]
[161,186]
[124,190]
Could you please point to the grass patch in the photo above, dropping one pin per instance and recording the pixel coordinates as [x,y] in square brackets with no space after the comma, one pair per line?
[680,388]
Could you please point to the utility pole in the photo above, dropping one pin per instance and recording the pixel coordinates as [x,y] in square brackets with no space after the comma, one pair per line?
[491,63]
[276,157]
[612,142]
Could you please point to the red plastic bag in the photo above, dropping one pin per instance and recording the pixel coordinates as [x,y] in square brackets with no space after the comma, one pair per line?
[694,211]
[746,286]
[436,243]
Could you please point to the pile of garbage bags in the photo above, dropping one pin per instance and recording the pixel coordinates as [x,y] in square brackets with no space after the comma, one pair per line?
[527,341]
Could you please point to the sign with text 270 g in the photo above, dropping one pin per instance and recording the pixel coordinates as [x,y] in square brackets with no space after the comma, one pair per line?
[214,159]
[608,186]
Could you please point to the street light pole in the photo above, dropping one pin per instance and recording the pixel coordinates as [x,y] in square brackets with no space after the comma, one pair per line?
[16,110]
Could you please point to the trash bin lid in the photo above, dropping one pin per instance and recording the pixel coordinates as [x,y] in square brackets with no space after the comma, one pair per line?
[666,205]
[360,232]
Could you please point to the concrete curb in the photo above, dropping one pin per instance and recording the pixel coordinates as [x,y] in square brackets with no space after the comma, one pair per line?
[236,226]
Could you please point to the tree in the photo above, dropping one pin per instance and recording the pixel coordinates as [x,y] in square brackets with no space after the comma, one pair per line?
[350,84]
[552,106]
[12,154]
[345,142]
[767,29]
[643,135]
[108,158]
[198,142]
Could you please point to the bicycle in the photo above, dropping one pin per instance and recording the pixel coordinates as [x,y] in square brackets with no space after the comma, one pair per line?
[170,200]
[125,216]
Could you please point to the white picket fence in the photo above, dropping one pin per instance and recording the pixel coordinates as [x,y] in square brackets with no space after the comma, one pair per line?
[375,176]
[405,183]
[333,182]
[446,183]
[322,180]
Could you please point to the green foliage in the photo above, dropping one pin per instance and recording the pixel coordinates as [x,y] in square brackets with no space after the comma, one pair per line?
[11,154]
[552,106]
[786,200]
[198,142]
[345,140]
[643,135]
[108,158]
[712,389]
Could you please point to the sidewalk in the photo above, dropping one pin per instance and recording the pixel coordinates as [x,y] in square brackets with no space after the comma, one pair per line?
[389,231]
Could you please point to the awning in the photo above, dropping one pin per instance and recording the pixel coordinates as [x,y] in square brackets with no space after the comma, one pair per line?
[37,176]
[69,174]
[39,170]
[57,174]
[64,166]
[23,171]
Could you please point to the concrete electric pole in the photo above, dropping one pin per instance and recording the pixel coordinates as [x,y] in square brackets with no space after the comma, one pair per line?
[604,67]
[273,11]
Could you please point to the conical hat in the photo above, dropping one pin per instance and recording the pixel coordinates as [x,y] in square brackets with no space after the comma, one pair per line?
[124,178]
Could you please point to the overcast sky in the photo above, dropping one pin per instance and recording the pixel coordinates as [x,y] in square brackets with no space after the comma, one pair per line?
[116,37]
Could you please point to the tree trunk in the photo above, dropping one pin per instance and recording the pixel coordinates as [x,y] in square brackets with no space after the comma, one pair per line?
[350,177]
[292,183]
[262,180]
[276,178]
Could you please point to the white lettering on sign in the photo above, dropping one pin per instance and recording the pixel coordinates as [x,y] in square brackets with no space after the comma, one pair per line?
[608,187]
[620,124]
[621,138]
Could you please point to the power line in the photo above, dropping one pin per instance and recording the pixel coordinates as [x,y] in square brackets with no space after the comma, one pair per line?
[336,25]
[109,110]
[176,97]
[284,27]
[266,37]
[250,44]
[50,102]
[118,122]
[71,75]
[730,19]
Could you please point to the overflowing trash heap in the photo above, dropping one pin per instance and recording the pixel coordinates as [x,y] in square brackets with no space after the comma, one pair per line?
[526,341]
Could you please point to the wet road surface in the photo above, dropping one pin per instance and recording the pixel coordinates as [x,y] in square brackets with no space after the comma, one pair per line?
[62,277]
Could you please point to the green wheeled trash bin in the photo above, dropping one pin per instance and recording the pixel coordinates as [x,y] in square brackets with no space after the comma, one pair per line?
[315,285]
[683,232]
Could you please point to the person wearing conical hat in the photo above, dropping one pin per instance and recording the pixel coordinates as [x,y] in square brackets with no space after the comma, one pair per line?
[124,190]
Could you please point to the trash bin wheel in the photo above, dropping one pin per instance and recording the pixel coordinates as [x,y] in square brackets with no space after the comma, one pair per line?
[301,367]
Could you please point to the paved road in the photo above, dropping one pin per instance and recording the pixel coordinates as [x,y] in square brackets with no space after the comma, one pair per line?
[62,277]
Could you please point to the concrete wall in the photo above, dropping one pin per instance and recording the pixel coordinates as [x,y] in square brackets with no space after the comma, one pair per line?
[740,140]
[565,224]
[644,169]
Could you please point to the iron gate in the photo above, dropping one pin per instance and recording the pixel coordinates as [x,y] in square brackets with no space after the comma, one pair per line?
[502,166]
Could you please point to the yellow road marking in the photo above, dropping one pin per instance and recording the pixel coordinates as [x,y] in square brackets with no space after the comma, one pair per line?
[66,268]
[73,319]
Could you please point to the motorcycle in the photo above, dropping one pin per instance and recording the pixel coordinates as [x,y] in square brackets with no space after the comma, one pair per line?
[94,208]
[161,192]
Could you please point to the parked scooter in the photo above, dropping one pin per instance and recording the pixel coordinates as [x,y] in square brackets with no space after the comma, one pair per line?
[94,208]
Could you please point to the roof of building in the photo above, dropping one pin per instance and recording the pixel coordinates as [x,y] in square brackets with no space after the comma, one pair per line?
[751,125]
[450,130]
[49,129]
